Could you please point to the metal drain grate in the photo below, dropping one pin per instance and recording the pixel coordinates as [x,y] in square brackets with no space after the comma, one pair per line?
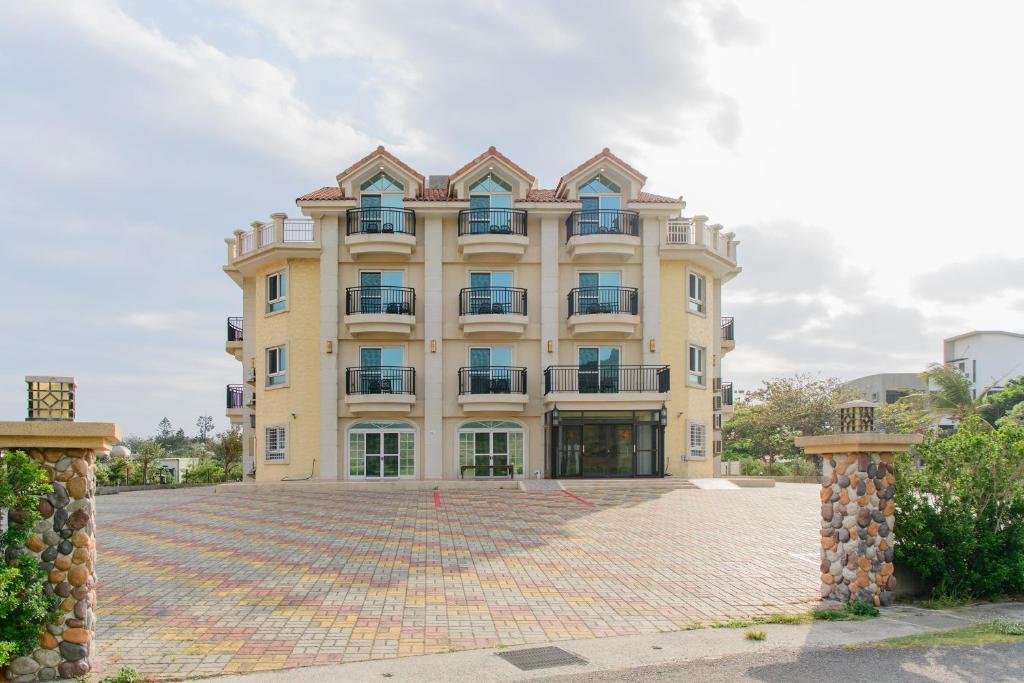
[540,658]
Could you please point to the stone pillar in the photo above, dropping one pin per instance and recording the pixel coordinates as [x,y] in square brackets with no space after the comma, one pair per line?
[329,230]
[650,299]
[858,485]
[64,541]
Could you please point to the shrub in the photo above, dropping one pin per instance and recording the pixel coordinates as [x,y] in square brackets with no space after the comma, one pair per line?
[24,607]
[755,635]
[205,472]
[860,608]
[961,515]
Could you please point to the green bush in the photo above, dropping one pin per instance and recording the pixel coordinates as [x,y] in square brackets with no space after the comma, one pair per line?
[961,515]
[24,607]
[205,473]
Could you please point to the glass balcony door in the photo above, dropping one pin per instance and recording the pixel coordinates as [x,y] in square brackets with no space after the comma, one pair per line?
[598,369]
[489,292]
[375,295]
[489,368]
[598,292]
[381,369]
[490,192]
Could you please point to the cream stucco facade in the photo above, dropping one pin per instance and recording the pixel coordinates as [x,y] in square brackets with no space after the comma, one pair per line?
[467,324]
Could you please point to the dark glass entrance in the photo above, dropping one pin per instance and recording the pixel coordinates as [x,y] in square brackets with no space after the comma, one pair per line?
[605,444]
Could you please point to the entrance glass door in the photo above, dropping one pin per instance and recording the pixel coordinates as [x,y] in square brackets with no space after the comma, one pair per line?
[607,450]
[382,454]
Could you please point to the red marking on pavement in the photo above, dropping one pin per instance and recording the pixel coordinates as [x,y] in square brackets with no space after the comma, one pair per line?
[437,499]
[573,495]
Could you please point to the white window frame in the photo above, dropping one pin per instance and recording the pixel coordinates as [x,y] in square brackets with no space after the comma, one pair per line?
[280,442]
[279,378]
[698,377]
[282,292]
[696,440]
[696,304]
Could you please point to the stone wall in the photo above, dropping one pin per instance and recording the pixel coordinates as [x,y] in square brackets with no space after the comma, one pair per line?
[857,520]
[64,542]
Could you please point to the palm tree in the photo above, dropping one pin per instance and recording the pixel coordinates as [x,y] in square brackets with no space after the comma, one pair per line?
[947,392]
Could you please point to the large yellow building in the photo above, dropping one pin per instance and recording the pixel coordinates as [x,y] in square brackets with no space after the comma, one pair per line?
[474,325]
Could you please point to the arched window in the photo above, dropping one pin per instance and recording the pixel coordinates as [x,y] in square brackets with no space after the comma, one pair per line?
[491,445]
[488,198]
[601,199]
[381,182]
[380,195]
[382,449]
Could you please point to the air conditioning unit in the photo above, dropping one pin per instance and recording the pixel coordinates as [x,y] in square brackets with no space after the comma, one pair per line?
[250,375]
[251,402]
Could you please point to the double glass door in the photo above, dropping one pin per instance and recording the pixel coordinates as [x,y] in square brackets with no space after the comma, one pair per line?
[381,369]
[600,449]
[380,291]
[599,292]
[489,369]
[382,454]
[598,369]
[490,293]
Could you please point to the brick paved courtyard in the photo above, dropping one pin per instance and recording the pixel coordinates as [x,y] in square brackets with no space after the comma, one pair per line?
[195,583]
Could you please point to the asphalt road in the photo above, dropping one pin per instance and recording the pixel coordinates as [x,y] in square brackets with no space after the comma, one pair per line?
[906,665]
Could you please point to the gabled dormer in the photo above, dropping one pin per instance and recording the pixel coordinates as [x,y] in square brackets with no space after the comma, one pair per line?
[604,176]
[383,175]
[491,174]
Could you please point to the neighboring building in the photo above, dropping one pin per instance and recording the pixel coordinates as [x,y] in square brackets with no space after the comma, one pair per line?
[175,468]
[987,358]
[886,387]
[413,327]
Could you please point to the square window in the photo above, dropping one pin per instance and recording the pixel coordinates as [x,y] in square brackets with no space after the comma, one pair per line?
[275,444]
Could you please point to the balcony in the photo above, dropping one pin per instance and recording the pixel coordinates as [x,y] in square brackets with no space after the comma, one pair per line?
[382,389]
[380,232]
[727,407]
[493,389]
[234,409]
[269,241]
[492,233]
[618,387]
[603,311]
[492,310]
[603,233]
[691,239]
[728,335]
[386,311]
[233,345]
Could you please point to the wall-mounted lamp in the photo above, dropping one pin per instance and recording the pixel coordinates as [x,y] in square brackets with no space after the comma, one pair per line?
[433,346]
[551,346]
[554,417]
[330,346]
[252,420]
[652,345]
[714,360]
[663,416]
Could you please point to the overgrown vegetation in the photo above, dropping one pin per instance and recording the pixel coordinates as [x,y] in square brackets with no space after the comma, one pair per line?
[961,515]
[125,675]
[24,607]
[851,611]
[219,456]
[755,635]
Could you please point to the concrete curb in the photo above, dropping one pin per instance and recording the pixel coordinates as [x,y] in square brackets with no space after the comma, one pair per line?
[625,652]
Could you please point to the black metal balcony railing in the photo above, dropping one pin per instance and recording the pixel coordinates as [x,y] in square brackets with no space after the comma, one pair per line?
[603,221]
[234,396]
[606,380]
[728,329]
[726,393]
[492,221]
[234,329]
[492,301]
[494,379]
[380,220]
[394,300]
[591,300]
[384,379]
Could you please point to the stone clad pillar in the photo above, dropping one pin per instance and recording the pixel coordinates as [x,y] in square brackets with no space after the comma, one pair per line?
[858,486]
[64,541]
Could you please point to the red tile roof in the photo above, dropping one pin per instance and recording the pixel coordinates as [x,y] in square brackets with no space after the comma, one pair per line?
[492,152]
[380,151]
[323,194]
[651,198]
[433,194]
[546,196]
[603,154]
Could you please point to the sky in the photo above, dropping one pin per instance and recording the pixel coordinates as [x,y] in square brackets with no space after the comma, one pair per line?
[867,156]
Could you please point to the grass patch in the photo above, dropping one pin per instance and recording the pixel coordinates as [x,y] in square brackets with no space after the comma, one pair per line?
[755,635]
[777,618]
[851,611]
[978,634]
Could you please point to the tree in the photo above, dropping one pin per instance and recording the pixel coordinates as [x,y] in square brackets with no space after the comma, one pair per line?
[165,429]
[947,392]
[205,425]
[1014,416]
[998,403]
[227,448]
[765,422]
[148,453]
[24,606]
[902,418]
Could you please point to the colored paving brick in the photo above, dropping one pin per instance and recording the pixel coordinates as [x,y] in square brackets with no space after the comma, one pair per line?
[194,583]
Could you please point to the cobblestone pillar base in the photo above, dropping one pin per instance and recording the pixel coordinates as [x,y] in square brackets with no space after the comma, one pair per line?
[64,543]
[857,522]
